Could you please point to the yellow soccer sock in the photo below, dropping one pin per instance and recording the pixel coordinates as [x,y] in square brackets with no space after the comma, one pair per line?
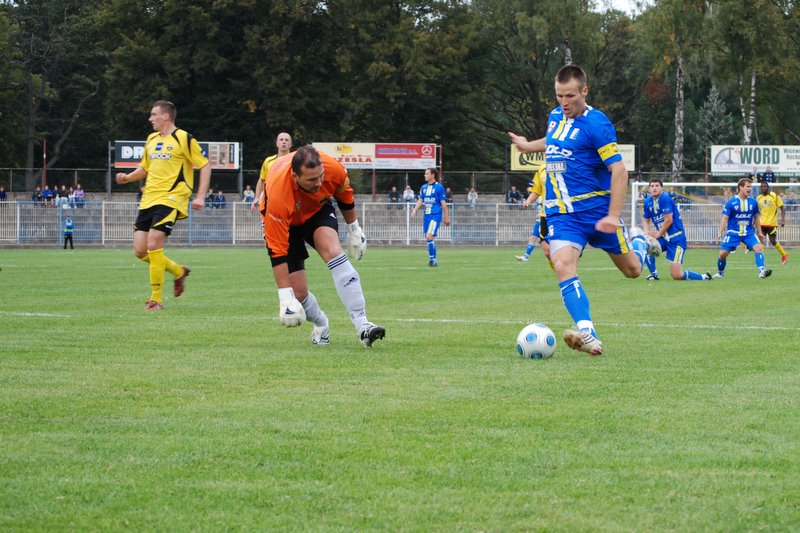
[780,248]
[172,267]
[146,258]
[157,275]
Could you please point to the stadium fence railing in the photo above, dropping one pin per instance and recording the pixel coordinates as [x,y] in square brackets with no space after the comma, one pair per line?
[110,223]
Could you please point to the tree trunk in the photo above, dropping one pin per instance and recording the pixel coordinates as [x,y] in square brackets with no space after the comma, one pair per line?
[677,151]
[748,110]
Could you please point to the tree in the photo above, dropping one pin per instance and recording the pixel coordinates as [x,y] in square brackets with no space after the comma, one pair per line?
[714,125]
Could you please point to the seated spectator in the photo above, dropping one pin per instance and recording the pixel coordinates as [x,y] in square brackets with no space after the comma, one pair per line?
[220,198]
[211,199]
[3,194]
[71,196]
[49,196]
[514,196]
[408,195]
[472,197]
[80,198]
[248,195]
[38,196]
[394,197]
[448,195]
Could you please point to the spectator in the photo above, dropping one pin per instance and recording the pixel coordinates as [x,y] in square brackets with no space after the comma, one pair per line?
[63,197]
[69,225]
[448,195]
[769,175]
[394,197]
[248,195]
[408,195]
[80,198]
[472,197]
[71,197]
[38,196]
[514,197]
[211,199]
[48,196]
[220,200]
[3,194]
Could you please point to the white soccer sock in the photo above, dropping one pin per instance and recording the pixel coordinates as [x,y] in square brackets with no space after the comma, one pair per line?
[313,311]
[348,285]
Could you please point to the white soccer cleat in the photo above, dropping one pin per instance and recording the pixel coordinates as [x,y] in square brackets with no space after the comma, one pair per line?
[765,273]
[320,335]
[370,333]
[707,276]
[521,258]
[718,275]
[583,341]
[653,277]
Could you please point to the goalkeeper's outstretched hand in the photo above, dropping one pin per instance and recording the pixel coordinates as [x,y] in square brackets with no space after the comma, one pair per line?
[356,241]
[291,310]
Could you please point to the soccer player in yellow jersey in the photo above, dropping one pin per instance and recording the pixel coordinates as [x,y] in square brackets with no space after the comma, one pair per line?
[170,155]
[284,145]
[768,205]
[539,230]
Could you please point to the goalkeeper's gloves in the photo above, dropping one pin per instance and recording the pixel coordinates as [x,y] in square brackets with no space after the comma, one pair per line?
[356,241]
[292,313]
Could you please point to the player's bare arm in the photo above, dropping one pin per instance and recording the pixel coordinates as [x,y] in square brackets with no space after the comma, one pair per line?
[524,145]
[137,175]
[619,184]
[445,214]
[199,201]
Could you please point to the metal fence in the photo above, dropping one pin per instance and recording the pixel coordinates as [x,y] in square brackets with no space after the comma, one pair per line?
[487,224]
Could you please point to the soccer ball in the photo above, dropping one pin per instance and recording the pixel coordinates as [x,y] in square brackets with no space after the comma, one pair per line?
[536,341]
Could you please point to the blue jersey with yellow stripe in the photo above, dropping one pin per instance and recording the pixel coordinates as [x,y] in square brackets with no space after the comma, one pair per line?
[656,209]
[740,213]
[578,153]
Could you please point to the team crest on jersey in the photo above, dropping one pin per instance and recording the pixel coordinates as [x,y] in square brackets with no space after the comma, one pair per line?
[551,126]
[170,147]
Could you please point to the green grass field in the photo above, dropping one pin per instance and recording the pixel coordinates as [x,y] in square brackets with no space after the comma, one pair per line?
[209,415]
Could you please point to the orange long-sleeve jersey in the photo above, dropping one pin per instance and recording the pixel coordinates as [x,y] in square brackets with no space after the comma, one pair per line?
[289,205]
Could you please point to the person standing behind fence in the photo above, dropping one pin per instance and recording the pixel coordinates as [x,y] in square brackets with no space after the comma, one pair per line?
[170,155]
[283,142]
[432,194]
[69,226]
[408,195]
[472,197]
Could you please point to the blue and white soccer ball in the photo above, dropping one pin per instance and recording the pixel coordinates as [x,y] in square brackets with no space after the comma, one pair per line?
[536,341]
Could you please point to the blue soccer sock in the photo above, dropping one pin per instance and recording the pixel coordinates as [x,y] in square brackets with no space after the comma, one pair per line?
[639,245]
[688,274]
[577,303]
[760,261]
[721,266]
[529,249]
[432,250]
[650,263]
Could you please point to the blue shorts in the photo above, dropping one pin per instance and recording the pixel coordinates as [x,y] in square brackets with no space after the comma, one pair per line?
[578,229]
[431,223]
[730,242]
[674,248]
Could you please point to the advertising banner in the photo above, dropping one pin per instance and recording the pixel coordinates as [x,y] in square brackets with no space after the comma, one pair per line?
[741,160]
[382,155]
[221,155]
[532,161]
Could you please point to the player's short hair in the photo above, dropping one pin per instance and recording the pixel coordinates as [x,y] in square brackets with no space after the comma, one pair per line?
[656,180]
[168,107]
[434,172]
[742,182]
[571,72]
[305,156]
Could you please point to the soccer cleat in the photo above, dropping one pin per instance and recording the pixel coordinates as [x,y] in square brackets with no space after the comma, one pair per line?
[718,275]
[433,263]
[784,259]
[653,277]
[320,335]
[521,258]
[765,273]
[583,341]
[153,305]
[707,276]
[180,283]
[370,333]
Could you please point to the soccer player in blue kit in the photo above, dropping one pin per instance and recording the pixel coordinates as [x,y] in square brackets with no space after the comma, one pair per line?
[741,223]
[662,211]
[584,196]
[432,195]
